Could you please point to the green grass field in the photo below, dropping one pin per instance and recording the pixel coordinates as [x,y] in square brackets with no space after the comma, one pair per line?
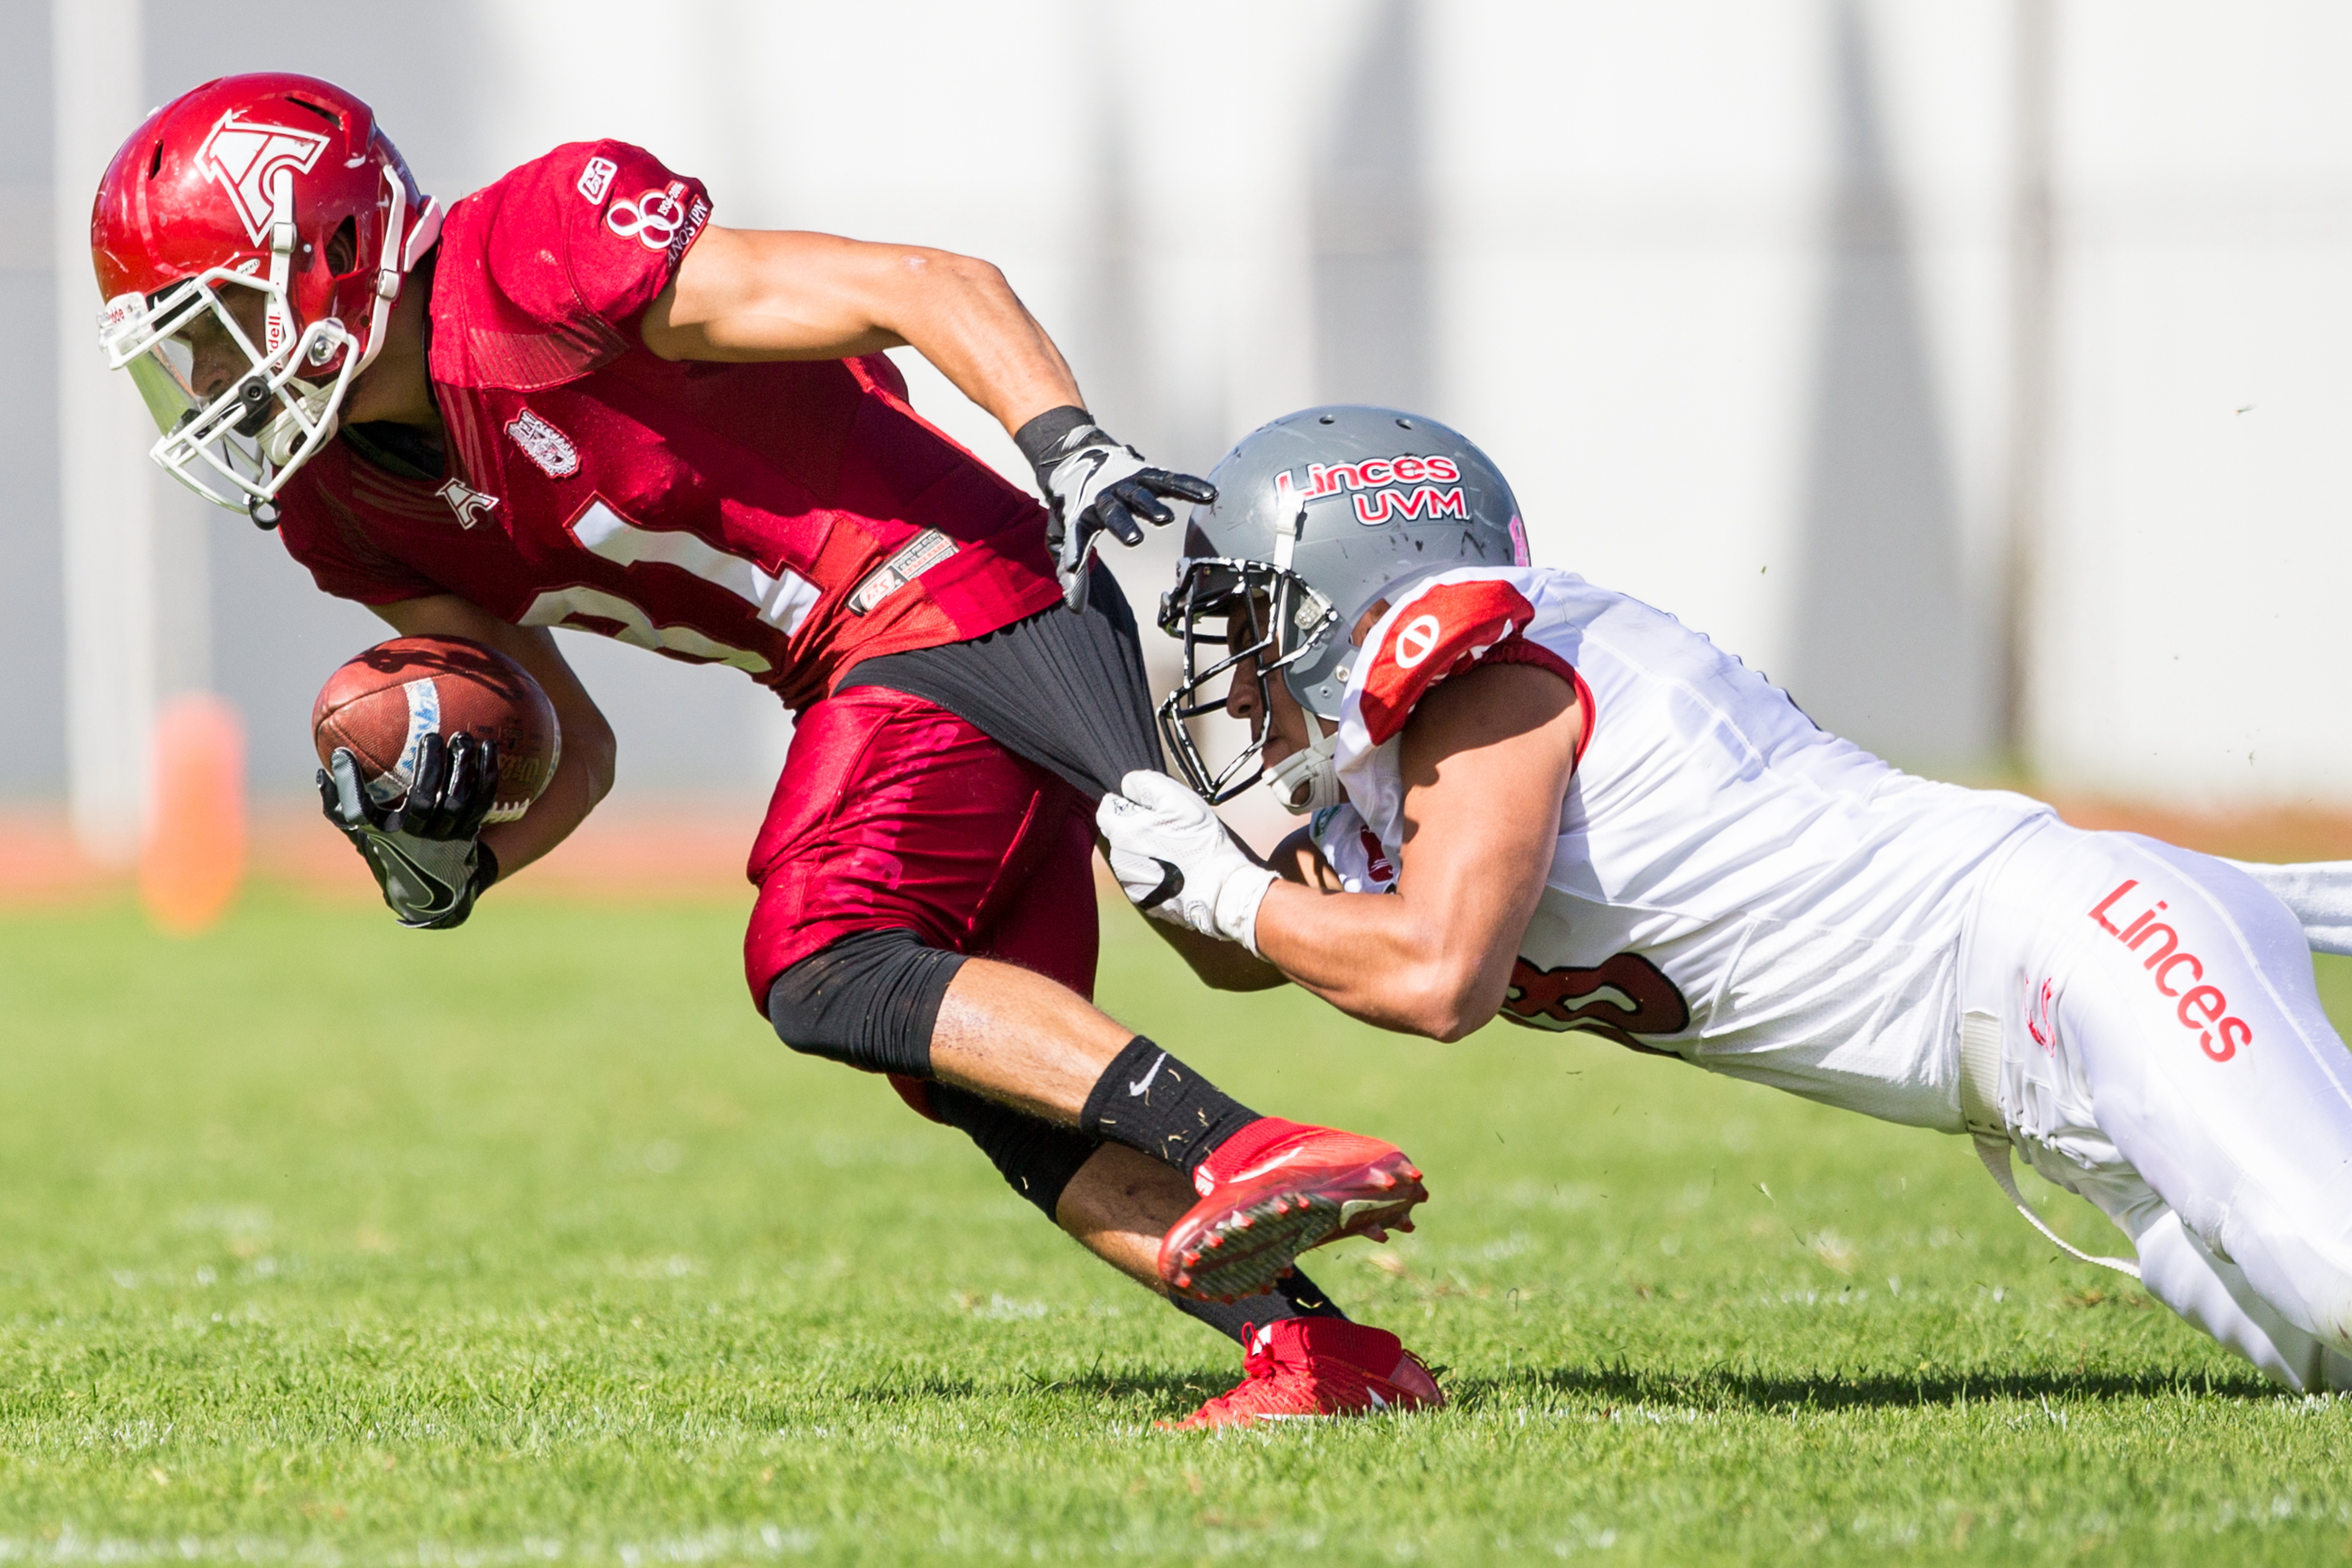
[329,1243]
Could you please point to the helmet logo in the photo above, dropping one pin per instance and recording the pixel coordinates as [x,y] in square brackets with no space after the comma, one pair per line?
[243,157]
[1378,485]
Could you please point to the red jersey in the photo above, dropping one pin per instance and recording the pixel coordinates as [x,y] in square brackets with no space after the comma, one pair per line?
[789,519]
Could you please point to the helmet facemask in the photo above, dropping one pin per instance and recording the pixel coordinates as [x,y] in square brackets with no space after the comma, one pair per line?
[237,449]
[1257,617]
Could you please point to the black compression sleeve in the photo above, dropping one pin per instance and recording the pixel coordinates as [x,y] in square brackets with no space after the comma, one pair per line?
[1035,1159]
[870,1000]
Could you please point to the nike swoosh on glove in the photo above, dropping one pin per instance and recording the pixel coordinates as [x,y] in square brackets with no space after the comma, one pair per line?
[1095,484]
[428,857]
[1176,861]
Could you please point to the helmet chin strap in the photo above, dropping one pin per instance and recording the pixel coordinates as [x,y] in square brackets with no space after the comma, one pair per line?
[277,318]
[405,242]
[1305,781]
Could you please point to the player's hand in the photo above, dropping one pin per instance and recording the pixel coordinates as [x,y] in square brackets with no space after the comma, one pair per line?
[426,855]
[1176,861]
[1094,485]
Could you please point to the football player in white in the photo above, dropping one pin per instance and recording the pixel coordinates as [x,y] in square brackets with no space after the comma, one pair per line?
[1534,798]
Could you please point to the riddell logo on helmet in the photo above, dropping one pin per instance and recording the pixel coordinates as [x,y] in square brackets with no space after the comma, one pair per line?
[243,157]
[1377,483]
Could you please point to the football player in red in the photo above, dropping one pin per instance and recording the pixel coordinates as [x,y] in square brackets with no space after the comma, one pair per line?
[573,399]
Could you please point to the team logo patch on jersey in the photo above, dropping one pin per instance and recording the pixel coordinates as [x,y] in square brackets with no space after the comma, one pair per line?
[1377,487]
[544,444]
[915,557]
[596,180]
[243,157]
[470,505]
[659,220]
[1624,997]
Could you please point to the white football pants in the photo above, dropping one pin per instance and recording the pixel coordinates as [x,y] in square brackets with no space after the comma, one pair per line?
[2165,1055]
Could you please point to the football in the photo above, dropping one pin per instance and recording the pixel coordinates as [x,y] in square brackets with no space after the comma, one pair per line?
[381,706]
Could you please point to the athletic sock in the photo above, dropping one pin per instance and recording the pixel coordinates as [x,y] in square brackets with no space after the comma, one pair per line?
[1151,1102]
[1294,1296]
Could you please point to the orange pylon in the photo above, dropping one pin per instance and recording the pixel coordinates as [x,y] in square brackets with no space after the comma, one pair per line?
[194,857]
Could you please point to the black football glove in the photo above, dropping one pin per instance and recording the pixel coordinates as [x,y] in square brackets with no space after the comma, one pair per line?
[426,855]
[1093,483]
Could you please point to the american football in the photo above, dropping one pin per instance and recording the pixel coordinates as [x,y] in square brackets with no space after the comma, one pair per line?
[381,705]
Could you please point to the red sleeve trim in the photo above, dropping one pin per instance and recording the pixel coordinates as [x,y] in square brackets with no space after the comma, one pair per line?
[1516,650]
[1452,629]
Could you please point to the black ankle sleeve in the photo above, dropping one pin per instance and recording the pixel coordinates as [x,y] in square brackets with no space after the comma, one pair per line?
[1155,1104]
[1294,1296]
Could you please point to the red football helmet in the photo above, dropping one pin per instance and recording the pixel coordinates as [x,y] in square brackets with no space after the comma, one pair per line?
[250,239]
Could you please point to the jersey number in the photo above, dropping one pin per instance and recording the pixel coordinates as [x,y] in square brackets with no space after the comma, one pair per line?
[1622,998]
[783,597]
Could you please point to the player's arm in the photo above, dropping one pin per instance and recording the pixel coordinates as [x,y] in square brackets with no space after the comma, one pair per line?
[750,294]
[1487,762]
[585,773]
[1223,966]
[755,294]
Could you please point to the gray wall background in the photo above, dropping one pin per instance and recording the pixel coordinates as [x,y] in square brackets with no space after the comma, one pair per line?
[1724,285]
[32,621]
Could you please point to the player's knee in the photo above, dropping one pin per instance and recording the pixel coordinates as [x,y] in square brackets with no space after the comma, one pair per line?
[870,1000]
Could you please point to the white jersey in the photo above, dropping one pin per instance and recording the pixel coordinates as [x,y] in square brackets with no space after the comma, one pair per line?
[1730,884]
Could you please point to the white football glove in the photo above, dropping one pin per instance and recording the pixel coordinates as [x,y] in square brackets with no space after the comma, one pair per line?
[1176,861]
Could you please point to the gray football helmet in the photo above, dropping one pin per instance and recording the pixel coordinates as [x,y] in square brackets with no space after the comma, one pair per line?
[1317,515]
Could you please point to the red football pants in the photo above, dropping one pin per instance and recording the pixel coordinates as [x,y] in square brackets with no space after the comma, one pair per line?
[893,813]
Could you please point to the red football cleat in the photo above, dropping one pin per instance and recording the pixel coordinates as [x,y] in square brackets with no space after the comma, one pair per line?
[1302,1367]
[1272,1191]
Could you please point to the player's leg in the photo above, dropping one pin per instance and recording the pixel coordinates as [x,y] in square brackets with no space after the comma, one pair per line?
[893,814]
[879,991]
[2183,1273]
[2214,1295]
[1302,1355]
[1153,1103]
[1120,1204]
[1068,693]
[2189,1000]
